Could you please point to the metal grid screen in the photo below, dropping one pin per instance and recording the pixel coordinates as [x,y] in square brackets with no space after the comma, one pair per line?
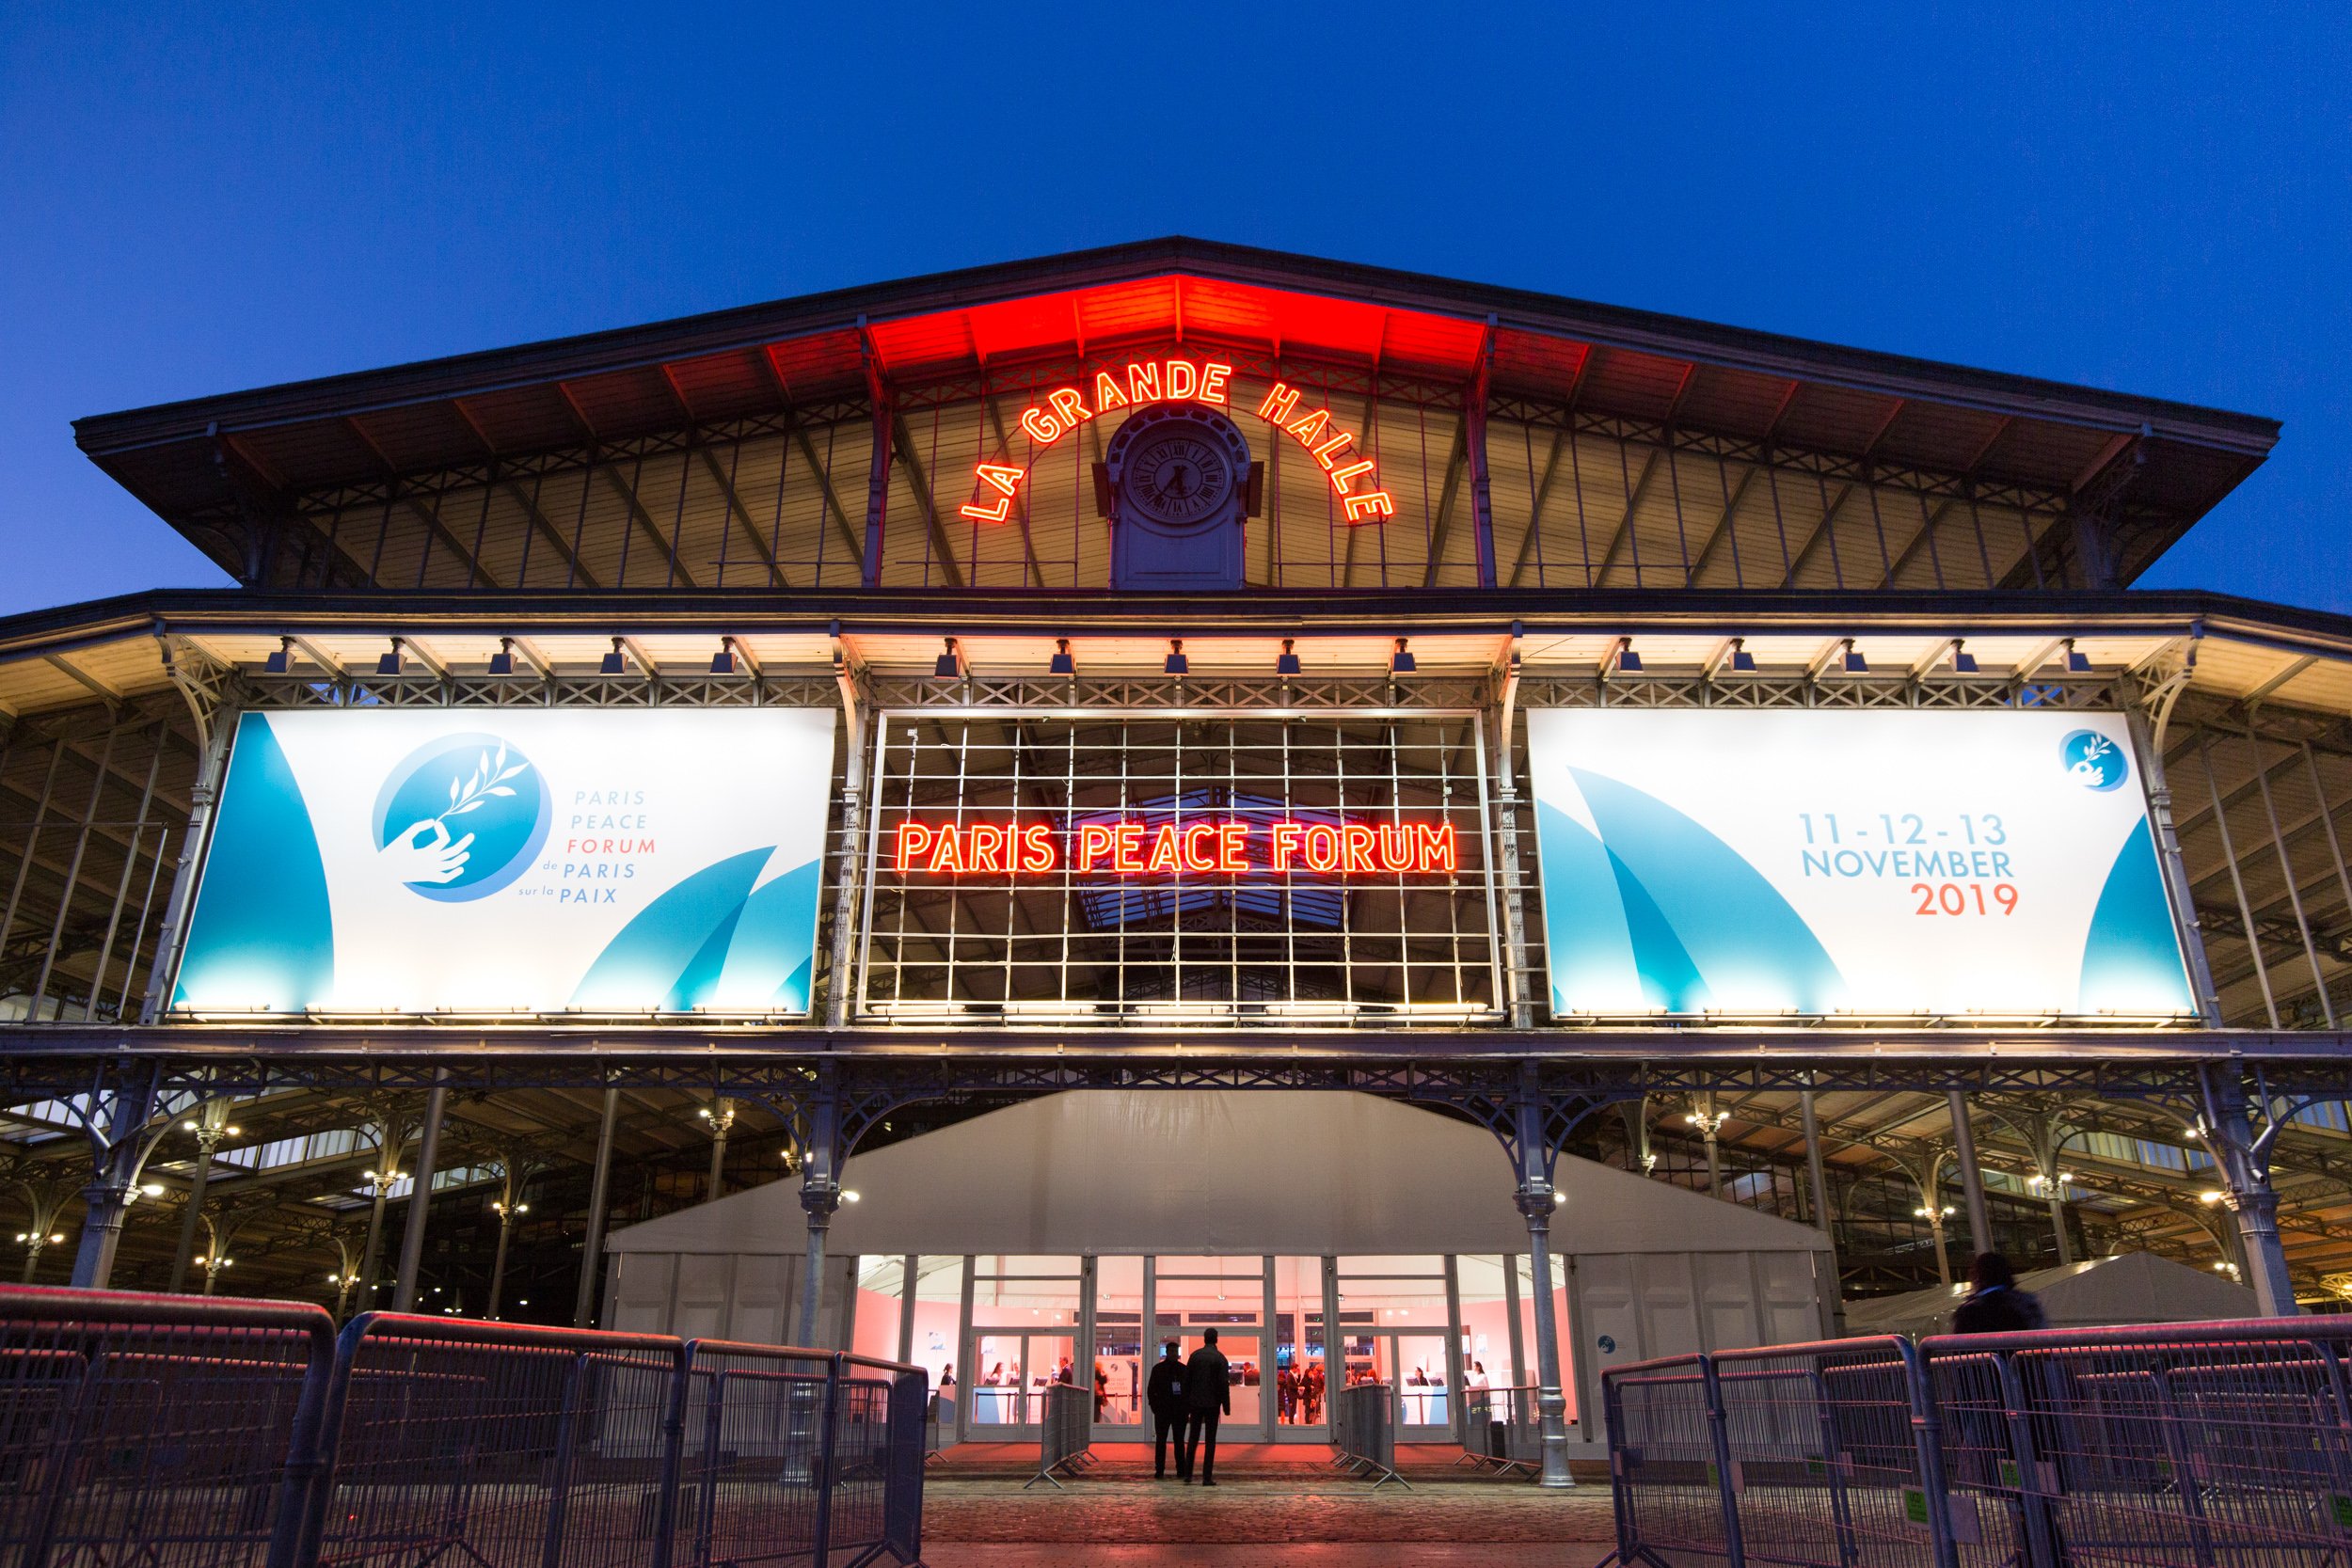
[1295,946]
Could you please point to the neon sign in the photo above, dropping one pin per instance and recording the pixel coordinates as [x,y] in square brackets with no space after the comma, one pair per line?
[1216,846]
[1065,409]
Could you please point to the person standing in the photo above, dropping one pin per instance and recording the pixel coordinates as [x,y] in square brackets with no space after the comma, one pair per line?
[1165,1394]
[1995,1305]
[1208,1395]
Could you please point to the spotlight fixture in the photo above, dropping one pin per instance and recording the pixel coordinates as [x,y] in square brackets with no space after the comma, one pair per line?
[1062,663]
[281,662]
[1286,662]
[1401,661]
[1856,664]
[502,662]
[1964,662]
[723,662]
[1177,664]
[614,663]
[389,664]
[950,664]
[1627,662]
[1742,661]
[2076,663]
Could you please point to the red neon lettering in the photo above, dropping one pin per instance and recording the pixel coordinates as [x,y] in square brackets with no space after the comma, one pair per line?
[1164,852]
[1337,444]
[1127,847]
[1042,427]
[1285,837]
[1143,383]
[1198,836]
[1002,476]
[1213,377]
[1372,503]
[1183,379]
[1107,393]
[989,843]
[996,514]
[1070,407]
[913,840]
[1323,846]
[1094,844]
[1280,400]
[949,856]
[1356,847]
[1433,845]
[1396,846]
[1309,426]
[1233,846]
[1341,479]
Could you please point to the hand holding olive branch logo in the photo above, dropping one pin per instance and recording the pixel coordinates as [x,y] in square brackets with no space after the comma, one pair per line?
[434,857]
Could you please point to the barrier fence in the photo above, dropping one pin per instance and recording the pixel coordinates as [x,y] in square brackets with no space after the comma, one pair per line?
[169,1430]
[1363,1431]
[1065,1432]
[2201,1446]
[1503,1429]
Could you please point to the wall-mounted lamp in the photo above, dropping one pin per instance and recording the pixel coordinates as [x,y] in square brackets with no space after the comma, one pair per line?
[723,662]
[1063,664]
[614,663]
[1627,661]
[1964,662]
[281,662]
[1742,661]
[502,662]
[1856,664]
[1401,661]
[1177,664]
[2076,663]
[949,665]
[389,664]
[1286,662]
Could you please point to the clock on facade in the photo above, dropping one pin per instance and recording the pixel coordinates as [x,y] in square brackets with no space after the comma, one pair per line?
[1177,483]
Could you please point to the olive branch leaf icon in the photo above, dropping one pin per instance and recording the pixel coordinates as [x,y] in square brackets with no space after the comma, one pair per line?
[488,779]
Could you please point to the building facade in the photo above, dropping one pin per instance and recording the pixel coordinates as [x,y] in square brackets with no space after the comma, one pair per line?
[1175,668]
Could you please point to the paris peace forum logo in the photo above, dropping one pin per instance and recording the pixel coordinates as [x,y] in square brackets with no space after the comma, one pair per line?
[2094,760]
[461,818]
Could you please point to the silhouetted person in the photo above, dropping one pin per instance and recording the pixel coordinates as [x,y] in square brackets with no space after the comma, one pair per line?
[1995,1305]
[1165,1394]
[1208,1394]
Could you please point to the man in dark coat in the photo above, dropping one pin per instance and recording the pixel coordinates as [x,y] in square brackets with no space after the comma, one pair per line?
[1208,1395]
[1995,1305]
[1165,1394]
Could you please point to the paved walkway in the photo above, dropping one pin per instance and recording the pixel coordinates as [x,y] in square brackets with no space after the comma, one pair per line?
[1331,1555]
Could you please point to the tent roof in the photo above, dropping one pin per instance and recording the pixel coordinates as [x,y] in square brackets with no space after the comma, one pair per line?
[1205,1172]
[2128,1288]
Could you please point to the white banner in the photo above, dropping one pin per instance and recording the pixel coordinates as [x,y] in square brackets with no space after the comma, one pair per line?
[522,860]
[1819,862]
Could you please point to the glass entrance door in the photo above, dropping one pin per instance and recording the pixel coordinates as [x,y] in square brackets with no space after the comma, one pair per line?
[1011,1369]
[1245,1372]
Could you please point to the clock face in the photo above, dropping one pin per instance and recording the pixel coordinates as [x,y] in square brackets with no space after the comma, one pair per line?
[1178,478]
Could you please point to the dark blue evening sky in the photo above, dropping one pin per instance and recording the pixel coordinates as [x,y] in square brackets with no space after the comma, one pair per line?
[197,199]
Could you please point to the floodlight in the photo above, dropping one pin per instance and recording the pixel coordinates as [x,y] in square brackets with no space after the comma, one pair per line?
[502,662]
[723,662]
[1286,663]
[1628,662]
[1964,662]
[1062,663]
[1855,664]
[2076,664]
[1742,661]
[612,663]
[283,660]
[948,665]
[1177,664]
[1401,661]
[389,664]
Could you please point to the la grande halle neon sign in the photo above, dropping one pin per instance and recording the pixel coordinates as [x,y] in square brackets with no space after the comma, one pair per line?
[1227,846]
[1065,409]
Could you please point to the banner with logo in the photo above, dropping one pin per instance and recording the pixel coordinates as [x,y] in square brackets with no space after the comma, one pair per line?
[1814,862]
[497,860]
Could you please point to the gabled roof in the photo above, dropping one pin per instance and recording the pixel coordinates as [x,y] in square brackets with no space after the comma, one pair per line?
[190,460]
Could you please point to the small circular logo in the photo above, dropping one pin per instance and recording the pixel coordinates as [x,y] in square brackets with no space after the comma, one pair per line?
[2093,761]
[460,818]
[1608,1344]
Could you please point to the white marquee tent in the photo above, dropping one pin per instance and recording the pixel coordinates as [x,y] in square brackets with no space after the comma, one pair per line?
[2099,1293]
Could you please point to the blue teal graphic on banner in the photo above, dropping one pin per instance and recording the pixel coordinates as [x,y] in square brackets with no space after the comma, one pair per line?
[712,942]
[262,930]
[2130,954]
[2094,761]
[476,785]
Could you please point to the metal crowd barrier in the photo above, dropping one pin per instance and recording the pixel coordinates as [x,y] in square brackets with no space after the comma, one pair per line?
[1065,1432]
[165,1428]
[1503,1429]
[1363,1432]
[2179,1446]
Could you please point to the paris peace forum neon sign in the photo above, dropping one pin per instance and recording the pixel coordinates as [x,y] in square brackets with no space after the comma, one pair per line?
[1213,847]
[1065,409]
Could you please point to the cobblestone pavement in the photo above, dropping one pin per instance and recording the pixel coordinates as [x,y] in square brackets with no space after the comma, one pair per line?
[1309,1512]
[1326,1555]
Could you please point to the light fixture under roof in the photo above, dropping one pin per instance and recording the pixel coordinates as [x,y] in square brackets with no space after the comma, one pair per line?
[502,662]
[1742,661]
[723,662]
[2076,663]
[1401,661]
[1627,662]
[1856,664]
[1286,662]
[1177,664]
[948,665]
[1964,662]
[281,662]
[614,663]
[389,664]
[1063,664]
